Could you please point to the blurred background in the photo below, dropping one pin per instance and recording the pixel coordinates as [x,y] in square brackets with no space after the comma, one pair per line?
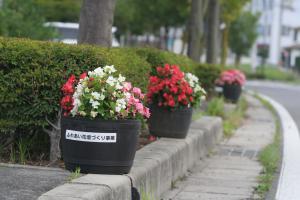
[246,33]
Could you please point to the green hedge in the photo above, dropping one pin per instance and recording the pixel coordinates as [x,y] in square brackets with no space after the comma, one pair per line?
[32,72]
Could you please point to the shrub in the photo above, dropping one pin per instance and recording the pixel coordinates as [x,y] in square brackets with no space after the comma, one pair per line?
[207,75]
[32,72]
[157,57]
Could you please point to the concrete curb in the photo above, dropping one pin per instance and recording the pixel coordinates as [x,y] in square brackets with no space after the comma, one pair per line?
[289,178]
[156,167]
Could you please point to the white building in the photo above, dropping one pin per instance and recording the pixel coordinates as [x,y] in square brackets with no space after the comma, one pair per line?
[293,51]
[276,27]
[68,32]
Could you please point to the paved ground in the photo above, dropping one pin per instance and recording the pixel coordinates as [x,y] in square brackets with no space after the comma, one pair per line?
[286,94]
[232,172]
[28,183]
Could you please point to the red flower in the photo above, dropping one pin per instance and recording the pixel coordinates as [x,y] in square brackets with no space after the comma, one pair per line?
[167,87]
[83,75]
[171,102]
[71,79]
[67,88]
[67,103]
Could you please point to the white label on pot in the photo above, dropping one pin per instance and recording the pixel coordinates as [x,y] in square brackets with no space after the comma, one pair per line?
[91,136]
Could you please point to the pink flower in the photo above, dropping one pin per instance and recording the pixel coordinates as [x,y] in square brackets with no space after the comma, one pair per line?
[151,138]
[231,76]
[136,91]
[127,86]
[146,112]
[139,107]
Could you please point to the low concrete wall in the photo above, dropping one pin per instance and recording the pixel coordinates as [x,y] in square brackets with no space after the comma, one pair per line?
[155,167]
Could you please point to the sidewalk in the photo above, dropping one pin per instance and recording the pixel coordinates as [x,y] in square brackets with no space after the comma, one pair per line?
[230,173]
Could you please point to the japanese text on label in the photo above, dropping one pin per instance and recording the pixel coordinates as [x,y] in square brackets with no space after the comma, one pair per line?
[91,136]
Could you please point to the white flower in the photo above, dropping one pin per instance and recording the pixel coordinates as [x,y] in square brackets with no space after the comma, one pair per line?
[119,86]
[121,102]
[192,79]
[76,105]
[94,114]
[111,81]
[118,109]
[127,95]
[96,95]
[121,78]
[197,88]
[79,88]
[102,97]
[203,91]
[82,113]
[95,104]
[91,73]
[87,90]
[99,72]
[110,69]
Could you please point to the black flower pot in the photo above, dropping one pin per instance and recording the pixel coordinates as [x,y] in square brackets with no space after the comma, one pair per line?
[169,123]
[232,92]
[99,146]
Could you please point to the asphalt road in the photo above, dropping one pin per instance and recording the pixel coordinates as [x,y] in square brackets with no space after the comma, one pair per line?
[286,94]
[28,183]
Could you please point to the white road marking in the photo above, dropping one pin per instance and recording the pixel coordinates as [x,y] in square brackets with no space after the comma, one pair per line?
[289,180]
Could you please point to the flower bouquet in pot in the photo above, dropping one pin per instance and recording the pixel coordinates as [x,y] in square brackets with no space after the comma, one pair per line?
[101,122]
[172,96]
[232,81]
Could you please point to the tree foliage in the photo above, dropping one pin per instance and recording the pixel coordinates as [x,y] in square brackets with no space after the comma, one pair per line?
[60,10]
[230,10]
[140,17]
[21,18]
[243,33]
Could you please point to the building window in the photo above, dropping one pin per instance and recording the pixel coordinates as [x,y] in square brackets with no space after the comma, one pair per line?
[285,30]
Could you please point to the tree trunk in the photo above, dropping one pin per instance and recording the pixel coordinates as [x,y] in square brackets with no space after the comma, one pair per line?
[237,61]
[95,24]
[225,35]
[195,29]
[173,39]
[166,38]
[54,135]
[213,31]
[163,38]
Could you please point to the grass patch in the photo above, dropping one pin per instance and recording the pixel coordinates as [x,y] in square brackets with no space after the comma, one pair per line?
[197,115]
[270,73]
[270,156]
[147,195]
[215,107]
[75,174]
[232,120]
